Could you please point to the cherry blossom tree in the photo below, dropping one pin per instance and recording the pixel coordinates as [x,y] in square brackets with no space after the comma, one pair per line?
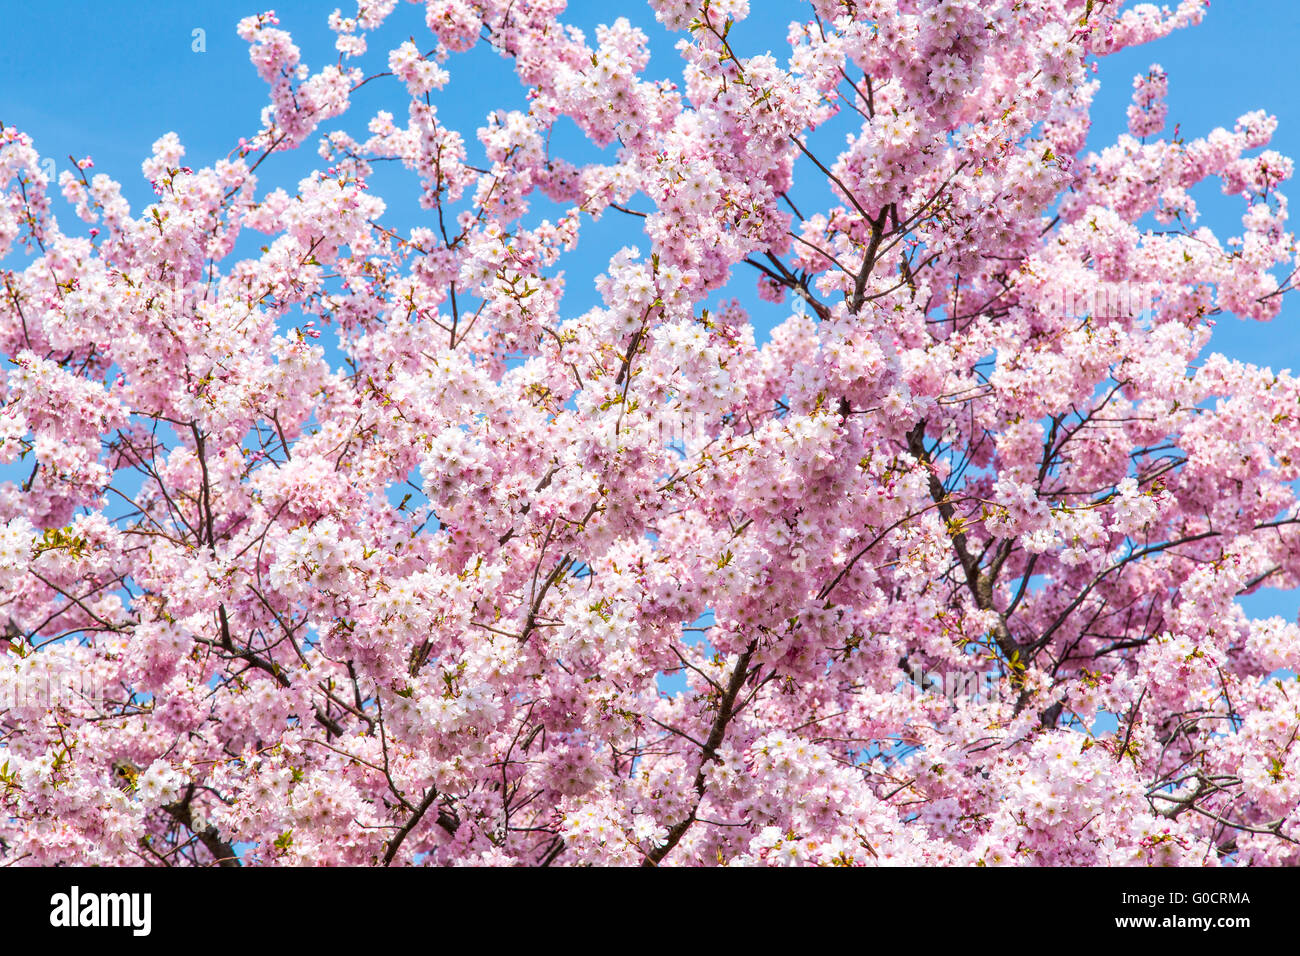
[364,548]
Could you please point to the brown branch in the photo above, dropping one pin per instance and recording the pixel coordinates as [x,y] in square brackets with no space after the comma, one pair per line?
[726,709]
[446,820]
[222,852]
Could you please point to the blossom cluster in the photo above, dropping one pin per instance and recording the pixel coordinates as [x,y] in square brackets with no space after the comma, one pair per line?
[377,550]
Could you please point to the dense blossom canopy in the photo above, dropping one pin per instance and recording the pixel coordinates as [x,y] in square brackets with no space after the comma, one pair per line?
[364,547]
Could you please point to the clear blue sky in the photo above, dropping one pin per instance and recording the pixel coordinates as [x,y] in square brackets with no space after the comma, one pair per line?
[107,79]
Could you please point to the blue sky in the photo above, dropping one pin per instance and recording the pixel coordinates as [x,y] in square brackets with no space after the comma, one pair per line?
[108,79]
[82,80]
